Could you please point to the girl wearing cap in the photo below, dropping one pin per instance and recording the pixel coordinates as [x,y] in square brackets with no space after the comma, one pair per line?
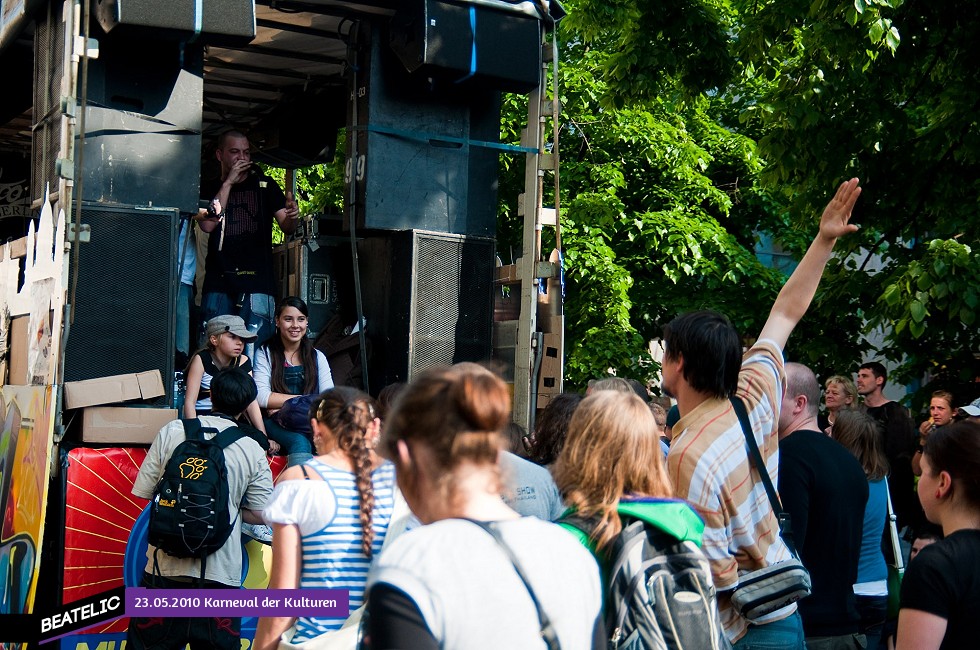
[226,338]
[941,587]
[451,582]
[287,366]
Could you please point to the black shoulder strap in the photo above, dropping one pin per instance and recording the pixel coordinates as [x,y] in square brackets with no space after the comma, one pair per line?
[192,429]
[785,525]
[547,630]
[229,436]
[754,456]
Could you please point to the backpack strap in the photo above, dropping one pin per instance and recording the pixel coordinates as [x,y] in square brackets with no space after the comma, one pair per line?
[580,527]
[192,428]
[785,524]
[229,436]
[547,629]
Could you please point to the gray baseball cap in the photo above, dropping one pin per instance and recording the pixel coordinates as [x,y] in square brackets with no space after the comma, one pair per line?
[233,324]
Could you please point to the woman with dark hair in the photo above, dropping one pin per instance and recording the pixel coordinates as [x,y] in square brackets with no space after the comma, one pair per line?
[941,587]
[287,366]
[454,582]
[858,433]
[331,514]
[549,431]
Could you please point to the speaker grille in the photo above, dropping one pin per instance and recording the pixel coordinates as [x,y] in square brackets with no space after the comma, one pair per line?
[124,304]
[49,53]
[452,306]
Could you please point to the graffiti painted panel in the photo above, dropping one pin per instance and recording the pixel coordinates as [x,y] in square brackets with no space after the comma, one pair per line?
[25,446]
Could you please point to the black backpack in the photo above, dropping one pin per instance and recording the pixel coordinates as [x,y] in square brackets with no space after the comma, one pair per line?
[660,593]
[189,516]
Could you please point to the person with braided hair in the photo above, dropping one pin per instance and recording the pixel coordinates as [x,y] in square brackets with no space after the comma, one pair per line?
[329,515]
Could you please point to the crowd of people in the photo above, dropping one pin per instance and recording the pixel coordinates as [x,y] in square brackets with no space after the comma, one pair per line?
[473,558]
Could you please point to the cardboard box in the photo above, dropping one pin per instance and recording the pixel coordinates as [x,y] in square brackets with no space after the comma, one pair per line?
[551,324]
[550,373]
[114,389]
[17,340]
[506,274]
[544,399]
[124,425]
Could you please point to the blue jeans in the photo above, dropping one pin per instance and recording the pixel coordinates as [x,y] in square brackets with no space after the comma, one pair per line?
[256,309]
[297,447]
[213,633]
[183,331]
[873,611]
[786,634]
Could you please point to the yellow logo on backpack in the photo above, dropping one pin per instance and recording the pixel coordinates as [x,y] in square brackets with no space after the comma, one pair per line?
[192,468]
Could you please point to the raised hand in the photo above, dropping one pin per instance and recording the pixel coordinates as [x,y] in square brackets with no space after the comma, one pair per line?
[835,221]
[292,208]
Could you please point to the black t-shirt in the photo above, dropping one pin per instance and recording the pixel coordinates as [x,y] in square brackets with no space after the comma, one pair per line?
[899,435]
[244,263]
[824,490]
[944,579]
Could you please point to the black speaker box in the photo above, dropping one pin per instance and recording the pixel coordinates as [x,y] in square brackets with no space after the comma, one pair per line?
[124,305]
[302,133]
[469,43]
[419,162]
[143,126]
[212,21]
[428,301]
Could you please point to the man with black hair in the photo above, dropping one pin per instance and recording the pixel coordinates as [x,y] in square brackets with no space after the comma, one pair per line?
[708,462]
[899,435]
[249,489]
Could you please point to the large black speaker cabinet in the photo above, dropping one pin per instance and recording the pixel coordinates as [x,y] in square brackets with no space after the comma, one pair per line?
[480,44]
[124,303]
[420,162]
[428,300]
[303,132]
[143,125]
[214,21]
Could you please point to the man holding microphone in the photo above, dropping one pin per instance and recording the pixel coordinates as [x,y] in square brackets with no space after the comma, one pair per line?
[239,277]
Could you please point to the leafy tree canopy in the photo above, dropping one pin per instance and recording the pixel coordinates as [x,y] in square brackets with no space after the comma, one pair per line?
[689,126]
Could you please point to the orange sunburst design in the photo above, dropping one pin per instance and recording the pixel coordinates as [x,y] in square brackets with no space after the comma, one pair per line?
[100,512]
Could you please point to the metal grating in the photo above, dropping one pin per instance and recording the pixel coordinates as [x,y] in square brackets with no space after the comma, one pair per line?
[49,59]
[124,315]
[452,308]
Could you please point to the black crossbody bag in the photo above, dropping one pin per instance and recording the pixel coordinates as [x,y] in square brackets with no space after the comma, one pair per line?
[764,591]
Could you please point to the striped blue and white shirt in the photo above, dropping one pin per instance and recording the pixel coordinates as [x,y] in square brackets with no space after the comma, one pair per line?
[327,513]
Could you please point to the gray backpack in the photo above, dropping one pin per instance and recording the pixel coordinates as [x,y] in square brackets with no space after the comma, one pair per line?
[660,593]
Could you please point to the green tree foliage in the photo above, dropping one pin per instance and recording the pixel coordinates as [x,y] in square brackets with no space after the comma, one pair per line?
[658,212]
[690,125]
